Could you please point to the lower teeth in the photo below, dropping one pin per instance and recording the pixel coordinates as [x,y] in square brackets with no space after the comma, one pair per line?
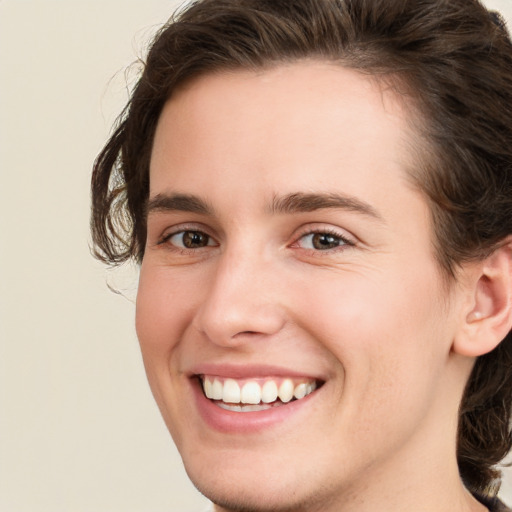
[247,407]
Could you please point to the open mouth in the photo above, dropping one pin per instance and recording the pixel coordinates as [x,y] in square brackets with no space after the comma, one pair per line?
[255,394]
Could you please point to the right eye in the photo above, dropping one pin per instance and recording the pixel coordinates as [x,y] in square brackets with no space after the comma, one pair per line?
[189,240]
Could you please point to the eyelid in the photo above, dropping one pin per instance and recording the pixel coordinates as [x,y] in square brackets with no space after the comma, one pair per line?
[309,229]
[168,238]
[348,239]
[169,232]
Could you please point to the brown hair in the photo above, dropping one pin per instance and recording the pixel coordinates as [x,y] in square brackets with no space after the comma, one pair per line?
[455,60]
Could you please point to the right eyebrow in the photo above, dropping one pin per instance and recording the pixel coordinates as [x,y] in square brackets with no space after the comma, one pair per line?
[178,202]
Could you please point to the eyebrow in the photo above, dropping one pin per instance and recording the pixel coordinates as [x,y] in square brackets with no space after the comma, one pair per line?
[301,202]
[298,202]
[178,202]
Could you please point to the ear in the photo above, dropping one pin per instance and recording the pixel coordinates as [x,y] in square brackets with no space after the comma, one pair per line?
[488,317]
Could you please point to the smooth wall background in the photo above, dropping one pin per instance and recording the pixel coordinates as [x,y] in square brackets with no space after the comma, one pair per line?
[79,431]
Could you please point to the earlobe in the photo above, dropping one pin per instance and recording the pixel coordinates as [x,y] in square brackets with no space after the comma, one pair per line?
[489,318]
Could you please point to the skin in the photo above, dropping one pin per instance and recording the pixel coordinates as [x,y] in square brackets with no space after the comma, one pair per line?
[371,317]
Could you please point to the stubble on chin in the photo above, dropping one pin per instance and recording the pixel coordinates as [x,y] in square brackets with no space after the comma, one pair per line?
[288,503]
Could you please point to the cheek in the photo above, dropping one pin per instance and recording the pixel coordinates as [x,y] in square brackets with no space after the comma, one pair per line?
[164,310]
[386,331]
[163,313]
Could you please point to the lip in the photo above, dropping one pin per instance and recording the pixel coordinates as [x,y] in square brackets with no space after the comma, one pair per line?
[246,422]
[249,372]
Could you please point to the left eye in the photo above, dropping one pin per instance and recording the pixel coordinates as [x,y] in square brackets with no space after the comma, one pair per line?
[190,240]
[322,241]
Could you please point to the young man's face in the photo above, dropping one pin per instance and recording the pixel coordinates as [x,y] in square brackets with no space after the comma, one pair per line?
[287,250]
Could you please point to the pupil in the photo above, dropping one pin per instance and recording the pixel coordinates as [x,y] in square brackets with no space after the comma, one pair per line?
[193,239]
[324,241]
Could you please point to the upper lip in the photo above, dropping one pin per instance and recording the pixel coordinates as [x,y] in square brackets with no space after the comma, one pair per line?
[248,371]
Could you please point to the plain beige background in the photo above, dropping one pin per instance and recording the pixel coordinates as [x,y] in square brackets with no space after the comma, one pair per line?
[78,428]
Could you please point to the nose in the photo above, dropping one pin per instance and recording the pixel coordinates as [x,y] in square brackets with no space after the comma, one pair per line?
[242,301]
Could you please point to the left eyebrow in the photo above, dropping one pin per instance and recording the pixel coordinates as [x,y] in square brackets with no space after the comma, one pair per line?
[300,202]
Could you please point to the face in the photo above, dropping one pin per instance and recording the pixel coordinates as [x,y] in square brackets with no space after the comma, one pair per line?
[293,321]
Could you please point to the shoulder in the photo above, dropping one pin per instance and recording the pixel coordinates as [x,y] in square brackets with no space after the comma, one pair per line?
[494,504]
[501,507]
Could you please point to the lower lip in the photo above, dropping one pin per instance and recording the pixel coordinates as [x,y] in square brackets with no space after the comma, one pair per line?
[245,422]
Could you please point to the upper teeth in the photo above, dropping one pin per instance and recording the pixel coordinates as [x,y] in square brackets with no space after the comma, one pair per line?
[254,392]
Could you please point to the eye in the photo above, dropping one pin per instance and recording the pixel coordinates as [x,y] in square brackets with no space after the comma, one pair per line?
[189,240]
[323,241]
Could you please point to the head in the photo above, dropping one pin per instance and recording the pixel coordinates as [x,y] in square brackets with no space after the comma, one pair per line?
[443,71]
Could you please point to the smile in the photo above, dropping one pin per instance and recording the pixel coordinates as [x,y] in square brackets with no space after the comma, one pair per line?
[255,394]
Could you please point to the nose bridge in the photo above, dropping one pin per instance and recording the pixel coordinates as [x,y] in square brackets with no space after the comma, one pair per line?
[241,297]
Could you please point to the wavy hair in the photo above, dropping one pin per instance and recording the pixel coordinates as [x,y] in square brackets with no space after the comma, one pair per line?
[451,59]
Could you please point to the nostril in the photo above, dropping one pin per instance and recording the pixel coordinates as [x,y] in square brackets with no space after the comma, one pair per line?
[248,335]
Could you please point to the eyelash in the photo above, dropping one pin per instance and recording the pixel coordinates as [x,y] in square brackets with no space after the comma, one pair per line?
[344,242]
[184,250]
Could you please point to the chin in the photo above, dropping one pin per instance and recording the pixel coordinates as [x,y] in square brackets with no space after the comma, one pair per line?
[247,484]
[251,496]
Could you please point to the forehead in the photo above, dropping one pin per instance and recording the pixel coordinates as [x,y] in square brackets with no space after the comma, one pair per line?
[300,125]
